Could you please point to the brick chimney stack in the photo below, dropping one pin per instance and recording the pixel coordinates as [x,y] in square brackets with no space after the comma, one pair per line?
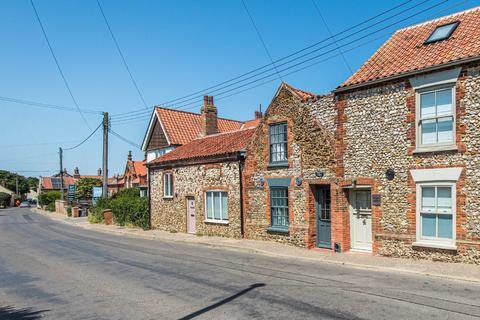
[258,114]
[209,116]
[99,172]
[129,155]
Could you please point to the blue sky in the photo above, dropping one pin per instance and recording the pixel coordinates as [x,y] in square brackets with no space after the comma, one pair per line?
[173,48]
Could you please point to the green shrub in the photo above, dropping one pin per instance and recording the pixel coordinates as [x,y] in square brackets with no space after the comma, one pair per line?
[129,193]
[5,199]
[95,216]
[69,211]
[130,211]
[51,207]
[46,198]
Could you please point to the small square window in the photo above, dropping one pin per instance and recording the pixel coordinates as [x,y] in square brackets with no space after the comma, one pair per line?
[442,32]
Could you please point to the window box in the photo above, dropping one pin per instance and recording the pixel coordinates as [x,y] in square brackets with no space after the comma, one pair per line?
[278,229]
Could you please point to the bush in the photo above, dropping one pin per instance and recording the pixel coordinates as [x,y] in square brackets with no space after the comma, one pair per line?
[51,207]
[5,199]
[46,198]
[128,209]
[69,211]
[95,214]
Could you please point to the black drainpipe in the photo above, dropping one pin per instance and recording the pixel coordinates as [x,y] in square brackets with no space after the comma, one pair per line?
[149,199]
[241,160]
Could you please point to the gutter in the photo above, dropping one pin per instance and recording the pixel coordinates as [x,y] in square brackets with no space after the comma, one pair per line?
[407,74]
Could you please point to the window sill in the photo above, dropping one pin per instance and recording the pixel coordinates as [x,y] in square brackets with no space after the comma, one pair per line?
[435,149]
[278,165]
[216,222]
[168,197]
[277,229]
[434,245]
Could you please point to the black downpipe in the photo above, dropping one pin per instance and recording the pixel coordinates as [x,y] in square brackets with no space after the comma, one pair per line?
[241,166]
[149,199]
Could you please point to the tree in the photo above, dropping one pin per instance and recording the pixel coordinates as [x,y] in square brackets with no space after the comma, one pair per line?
[85,188]
[5,199]
[8,179]
[46,198]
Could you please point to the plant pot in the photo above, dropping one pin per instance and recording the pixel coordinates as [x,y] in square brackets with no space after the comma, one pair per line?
[75,212]
[108,216]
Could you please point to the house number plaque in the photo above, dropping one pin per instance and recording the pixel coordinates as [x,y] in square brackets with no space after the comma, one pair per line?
[376,199]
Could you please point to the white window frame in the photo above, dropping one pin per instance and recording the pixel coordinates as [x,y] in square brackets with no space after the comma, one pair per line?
[418,119]
[221,221]
[434,242]
[168,176]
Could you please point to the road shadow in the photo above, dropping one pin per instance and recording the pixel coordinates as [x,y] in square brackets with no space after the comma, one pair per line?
[221,302]
[10,313]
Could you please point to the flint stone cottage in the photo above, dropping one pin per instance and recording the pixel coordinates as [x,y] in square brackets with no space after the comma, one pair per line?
[409,137]
[197,187]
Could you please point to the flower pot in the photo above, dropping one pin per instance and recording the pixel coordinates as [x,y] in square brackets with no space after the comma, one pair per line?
[75,212]
[108,216]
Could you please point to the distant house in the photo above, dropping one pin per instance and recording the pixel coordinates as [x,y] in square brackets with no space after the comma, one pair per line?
[170,128]
[197,188]
[135,175]
[54,183]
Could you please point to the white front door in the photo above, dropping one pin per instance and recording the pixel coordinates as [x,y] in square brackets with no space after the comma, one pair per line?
[191,225]
[360,220]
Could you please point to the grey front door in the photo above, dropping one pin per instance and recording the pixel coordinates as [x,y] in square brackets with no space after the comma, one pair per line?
[322,204]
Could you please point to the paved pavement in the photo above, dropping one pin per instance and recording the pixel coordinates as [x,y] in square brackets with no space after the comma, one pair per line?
[53,270]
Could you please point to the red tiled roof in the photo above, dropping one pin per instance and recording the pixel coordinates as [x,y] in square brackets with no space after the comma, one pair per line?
[212,145]
[140,168]
[303,94]
[405,51]
[181,127]
[251,123]
[47,182]
[91,177]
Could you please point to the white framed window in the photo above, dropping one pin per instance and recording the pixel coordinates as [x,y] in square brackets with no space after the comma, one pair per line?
[436,214]
[168,185]
[278,136]
[436,117]
[216,206]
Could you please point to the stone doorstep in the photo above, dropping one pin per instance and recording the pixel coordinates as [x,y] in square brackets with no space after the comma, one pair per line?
[451,271]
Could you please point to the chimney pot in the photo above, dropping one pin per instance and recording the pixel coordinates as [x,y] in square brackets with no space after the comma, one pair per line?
[258,115]
[205,100]
[129,155]
[99,172]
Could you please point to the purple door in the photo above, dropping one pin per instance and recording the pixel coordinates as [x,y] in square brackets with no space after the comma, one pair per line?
[191,215]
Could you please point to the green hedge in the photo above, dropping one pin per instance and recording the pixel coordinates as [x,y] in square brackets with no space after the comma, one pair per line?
[128,208]
[46,198]
[51,206]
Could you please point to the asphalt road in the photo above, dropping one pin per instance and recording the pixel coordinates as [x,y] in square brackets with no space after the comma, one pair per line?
[55,271]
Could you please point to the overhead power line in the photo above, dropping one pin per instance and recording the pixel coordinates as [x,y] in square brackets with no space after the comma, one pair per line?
[257,72]
[261,38]
[58,64]
[84,140]
[332,36]
[281,59]
[184,107]
[46,105]
[121,55]
[125,139]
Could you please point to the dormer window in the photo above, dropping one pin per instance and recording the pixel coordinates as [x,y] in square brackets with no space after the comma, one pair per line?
[442,32]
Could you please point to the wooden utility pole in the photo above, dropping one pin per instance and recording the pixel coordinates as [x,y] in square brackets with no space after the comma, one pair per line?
[105,155]
[61,172]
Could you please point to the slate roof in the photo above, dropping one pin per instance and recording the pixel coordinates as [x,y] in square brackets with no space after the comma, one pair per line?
[406,51]
[209,146]
[181,127]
